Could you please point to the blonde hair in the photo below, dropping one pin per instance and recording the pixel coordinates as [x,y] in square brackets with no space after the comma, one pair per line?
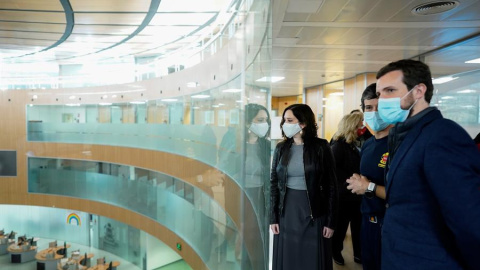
[347,128]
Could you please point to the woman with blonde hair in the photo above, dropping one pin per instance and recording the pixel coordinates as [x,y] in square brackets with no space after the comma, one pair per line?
[347,160]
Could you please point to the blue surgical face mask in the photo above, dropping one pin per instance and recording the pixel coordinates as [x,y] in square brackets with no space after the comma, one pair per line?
[374,121]
[391,111]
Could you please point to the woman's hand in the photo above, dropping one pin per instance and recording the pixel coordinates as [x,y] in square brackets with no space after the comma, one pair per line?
[327,232]
[275,228]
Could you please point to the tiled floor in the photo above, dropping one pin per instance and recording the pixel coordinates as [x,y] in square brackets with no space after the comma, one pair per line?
[347,254]
[43,244]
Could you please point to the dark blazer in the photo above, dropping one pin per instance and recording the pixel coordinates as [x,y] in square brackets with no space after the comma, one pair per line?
[319,176]
[432,219]
[347,162]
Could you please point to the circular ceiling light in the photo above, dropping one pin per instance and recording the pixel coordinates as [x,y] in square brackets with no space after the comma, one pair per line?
[435,7]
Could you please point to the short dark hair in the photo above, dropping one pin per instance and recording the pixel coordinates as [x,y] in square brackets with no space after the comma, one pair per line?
[369,93]
[414,73]
[305,115]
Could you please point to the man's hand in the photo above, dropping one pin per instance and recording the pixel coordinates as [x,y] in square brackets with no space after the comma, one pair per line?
[357,184]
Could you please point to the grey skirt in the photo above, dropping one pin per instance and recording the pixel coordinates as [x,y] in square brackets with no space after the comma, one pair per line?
[300,243]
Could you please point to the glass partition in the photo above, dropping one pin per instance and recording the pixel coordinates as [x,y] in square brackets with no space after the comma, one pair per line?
[184,209]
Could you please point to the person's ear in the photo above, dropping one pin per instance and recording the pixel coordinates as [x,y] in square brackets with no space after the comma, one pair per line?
[419,91]
[302,125]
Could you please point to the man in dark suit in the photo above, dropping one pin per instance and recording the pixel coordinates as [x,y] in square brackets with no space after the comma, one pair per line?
[432,219]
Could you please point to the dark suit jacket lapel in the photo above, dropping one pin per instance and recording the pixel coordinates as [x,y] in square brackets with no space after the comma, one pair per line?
[407,144]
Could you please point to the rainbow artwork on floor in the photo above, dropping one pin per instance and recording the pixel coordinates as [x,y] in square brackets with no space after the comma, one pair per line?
[74,219]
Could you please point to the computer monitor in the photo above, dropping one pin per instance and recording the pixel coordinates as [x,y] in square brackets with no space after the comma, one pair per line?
[21,239]
[52,244]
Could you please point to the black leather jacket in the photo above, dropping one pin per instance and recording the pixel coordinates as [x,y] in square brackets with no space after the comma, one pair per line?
[319,176]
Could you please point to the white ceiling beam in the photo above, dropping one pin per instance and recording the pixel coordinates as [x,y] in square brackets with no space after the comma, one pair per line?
[358,47]
[401,25]
[279,9]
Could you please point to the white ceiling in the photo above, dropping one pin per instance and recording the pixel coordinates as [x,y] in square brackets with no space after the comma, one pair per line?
[316,42]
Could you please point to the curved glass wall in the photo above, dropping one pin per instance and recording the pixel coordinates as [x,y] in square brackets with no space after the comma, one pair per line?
[186,210]
[210,126]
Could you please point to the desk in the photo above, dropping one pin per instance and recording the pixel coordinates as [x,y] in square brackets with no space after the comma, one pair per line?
[48,259]
[4,243]
[115,264]
[73,261]
[20,255]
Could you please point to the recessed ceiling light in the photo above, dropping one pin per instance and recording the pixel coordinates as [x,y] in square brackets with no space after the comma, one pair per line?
[336,94]
[72,97]
[443,80]
[232,90]
[192,84]
[73,104]
[270,79]
[447,97]
[137,102]
[473,61]
[169,99]
[200,96]
[104,104]
[467,91]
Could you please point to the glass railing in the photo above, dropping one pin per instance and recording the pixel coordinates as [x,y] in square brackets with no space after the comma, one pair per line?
[184,209]
[194,141]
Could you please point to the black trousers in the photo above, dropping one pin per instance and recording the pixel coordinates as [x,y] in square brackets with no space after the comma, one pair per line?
[349,213]
[371,242]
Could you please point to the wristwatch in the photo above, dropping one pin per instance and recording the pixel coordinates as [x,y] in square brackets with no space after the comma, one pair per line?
[370,192]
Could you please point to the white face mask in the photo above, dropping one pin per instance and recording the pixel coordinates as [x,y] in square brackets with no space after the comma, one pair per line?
[291,129]
[260,129]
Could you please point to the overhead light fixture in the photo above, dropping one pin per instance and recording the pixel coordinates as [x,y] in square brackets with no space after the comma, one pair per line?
[200,96]
[215,106]
[35,97]
[443,80]
[336,94]
[114,96]
[232,90]
[137,102]
[474,61]
[447,97]
[169,99]
[104,104]
[263,90]
[192,84]
[467,91]
[72,104]
[272,79]
[71,97]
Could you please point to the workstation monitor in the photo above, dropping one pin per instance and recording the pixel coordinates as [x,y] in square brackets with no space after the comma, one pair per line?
[8,163]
